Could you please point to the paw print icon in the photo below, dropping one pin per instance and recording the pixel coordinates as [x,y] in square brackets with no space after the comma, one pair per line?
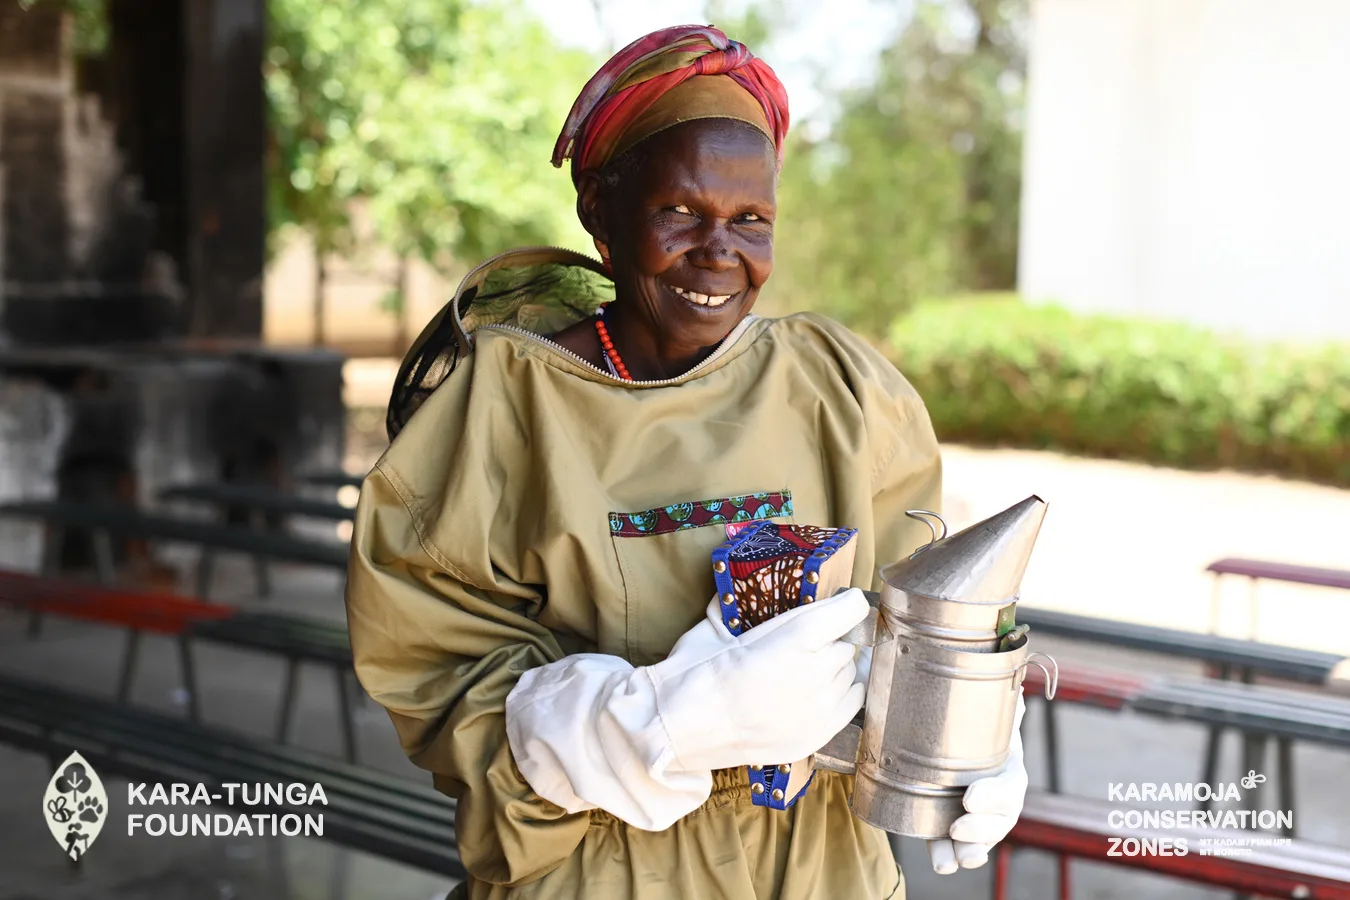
[91,810]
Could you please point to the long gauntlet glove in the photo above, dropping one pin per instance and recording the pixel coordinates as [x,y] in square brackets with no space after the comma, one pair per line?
[591,731]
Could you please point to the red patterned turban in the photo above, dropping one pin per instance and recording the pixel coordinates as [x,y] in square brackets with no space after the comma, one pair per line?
[670,76]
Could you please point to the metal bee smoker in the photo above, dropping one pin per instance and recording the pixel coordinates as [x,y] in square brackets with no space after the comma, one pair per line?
[948,661]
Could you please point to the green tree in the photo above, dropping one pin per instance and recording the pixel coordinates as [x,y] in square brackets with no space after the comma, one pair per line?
[89,24]
[440,114]
[915,190]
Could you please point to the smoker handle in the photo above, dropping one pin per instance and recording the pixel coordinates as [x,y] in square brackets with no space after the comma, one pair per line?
[1051,674]
[841,753]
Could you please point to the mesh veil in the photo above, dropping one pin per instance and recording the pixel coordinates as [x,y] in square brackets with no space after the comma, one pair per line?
[540,290]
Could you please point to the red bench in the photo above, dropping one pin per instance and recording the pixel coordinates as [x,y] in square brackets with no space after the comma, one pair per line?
[1079,828]
[137,611]
[1260,570]
[185,620]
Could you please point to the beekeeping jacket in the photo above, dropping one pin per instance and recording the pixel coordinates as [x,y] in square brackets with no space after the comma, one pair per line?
[535,506]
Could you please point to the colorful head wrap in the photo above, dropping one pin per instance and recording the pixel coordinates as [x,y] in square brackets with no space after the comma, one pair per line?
[670,76]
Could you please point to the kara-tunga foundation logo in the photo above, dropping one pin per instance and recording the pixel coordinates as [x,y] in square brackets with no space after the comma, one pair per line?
[75,806]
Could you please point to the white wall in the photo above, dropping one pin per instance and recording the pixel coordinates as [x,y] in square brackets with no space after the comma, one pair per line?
[1190,159]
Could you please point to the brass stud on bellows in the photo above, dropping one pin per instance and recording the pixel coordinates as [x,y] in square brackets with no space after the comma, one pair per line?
[719,567]
[728,599]
[756,788]
[812,577]
[777,794]
[756,768]
[785,768]
[735,623]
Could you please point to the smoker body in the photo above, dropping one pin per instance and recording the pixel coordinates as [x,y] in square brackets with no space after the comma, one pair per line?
[947,671]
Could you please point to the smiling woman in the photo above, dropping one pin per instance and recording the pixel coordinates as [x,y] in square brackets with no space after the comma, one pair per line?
[572,438]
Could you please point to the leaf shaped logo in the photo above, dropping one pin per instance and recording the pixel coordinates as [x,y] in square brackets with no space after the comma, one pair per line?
[75,805]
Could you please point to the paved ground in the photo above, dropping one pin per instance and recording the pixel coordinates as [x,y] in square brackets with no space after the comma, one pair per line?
[1120,539]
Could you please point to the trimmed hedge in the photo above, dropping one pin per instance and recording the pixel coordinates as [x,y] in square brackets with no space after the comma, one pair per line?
[1001,372]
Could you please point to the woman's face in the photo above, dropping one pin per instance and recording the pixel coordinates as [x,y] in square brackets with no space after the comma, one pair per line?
[689,231]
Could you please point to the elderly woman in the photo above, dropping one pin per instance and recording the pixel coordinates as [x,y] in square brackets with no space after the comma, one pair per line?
[530,577]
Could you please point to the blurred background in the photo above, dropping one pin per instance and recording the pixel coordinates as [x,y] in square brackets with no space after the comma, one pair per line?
[1105,239]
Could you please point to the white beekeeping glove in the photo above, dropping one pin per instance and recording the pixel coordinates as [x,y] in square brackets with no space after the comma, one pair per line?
[992,807]
[591,731]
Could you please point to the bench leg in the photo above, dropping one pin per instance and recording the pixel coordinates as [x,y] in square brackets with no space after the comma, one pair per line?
[205,572]
[185,662]
[1002,859]
[129,659]
[1065,886]
[262,577]
[345,716]
[1253,761]
[1051,746]
[1214,739]
[288,698]
[260,573]
[1285,748]
[1215,596]
[53,537]
[1254,610]
[104,562]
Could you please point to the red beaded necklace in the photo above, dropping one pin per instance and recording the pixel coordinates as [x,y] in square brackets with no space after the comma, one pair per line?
[612,359]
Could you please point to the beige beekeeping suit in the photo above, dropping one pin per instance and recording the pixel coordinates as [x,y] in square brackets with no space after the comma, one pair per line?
[504,529]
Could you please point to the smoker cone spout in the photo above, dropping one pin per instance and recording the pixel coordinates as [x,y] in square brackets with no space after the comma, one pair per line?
[947,672]
[981,564]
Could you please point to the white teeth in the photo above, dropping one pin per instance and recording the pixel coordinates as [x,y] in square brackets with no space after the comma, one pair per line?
[702,299]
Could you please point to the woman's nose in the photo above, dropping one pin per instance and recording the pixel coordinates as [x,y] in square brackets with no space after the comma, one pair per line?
[713,253]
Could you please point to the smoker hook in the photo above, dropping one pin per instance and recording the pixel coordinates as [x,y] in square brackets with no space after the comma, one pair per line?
[920,515]
[1051,680]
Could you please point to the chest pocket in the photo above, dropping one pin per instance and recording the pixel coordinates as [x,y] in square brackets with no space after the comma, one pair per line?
[665,558]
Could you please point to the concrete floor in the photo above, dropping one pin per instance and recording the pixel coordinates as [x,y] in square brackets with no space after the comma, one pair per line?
[1119,540]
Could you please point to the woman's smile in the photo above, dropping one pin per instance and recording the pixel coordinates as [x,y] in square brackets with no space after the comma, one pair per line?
[705,302]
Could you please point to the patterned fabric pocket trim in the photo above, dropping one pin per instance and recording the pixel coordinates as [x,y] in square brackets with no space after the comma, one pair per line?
[679,516]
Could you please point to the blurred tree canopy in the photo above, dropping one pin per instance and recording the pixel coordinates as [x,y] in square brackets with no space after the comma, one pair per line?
[440,114]
[915,191]
[89,27]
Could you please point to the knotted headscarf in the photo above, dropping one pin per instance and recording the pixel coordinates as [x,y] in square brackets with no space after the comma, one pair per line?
[670,76]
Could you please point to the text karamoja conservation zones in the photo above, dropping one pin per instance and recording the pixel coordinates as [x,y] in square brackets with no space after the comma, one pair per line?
[1210,823]
[231,793]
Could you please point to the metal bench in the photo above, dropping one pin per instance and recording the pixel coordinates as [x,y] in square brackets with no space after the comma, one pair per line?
[1229,657]
[1224,657]
[334,478]
[1256,571]
[1077,827]
[300,641]
[104,521]
[184,620]
[394,817]
[259,502]
[1263,714]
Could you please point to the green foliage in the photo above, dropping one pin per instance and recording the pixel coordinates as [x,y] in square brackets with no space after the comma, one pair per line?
[999,372]
[915,192]
[439,114]
[89,27]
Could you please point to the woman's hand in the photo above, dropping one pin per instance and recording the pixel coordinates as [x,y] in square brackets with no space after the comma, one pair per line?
[992,807]
[776,693]
[591,731]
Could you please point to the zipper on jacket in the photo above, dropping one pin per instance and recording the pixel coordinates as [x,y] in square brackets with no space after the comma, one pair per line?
[727,343]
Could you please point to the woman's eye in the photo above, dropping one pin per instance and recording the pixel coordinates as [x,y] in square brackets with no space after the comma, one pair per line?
[683,210]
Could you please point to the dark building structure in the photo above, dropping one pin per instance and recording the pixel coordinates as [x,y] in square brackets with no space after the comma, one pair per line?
[132,227]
